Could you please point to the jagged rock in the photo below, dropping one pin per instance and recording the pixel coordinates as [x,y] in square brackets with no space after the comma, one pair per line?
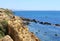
[19,32]
[15,27]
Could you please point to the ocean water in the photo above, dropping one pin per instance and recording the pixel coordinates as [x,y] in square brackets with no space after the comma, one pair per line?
[43,32]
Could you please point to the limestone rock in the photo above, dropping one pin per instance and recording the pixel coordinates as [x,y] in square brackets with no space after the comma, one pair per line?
[19,32]
[7,38]
[15,28]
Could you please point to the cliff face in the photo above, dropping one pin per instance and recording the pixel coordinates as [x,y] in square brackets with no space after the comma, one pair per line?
[13,26]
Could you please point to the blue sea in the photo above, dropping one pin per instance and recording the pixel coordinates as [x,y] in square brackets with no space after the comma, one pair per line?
[43,32]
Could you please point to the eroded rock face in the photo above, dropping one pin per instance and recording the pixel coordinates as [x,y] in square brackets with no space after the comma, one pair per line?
[7,38]
[15,27]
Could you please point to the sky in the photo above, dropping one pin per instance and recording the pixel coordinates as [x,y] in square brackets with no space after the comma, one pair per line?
[30,4]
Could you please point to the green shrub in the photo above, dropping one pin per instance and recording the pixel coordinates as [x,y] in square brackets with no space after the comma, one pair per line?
[4,26]
[2,34]
[8,12]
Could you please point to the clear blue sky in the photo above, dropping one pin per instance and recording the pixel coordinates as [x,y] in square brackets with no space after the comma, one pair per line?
[30,4]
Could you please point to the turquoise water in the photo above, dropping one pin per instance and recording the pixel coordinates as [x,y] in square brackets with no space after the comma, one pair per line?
[43,32]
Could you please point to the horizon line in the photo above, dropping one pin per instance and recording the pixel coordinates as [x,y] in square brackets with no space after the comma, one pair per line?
[33,10]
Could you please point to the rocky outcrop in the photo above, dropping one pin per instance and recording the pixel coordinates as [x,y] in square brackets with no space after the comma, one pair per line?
[6,38]
[13,26]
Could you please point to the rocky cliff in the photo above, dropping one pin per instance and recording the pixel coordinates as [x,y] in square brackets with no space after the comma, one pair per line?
[14,27]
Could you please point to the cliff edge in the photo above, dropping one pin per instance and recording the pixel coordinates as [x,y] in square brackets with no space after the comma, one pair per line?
[13,26]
